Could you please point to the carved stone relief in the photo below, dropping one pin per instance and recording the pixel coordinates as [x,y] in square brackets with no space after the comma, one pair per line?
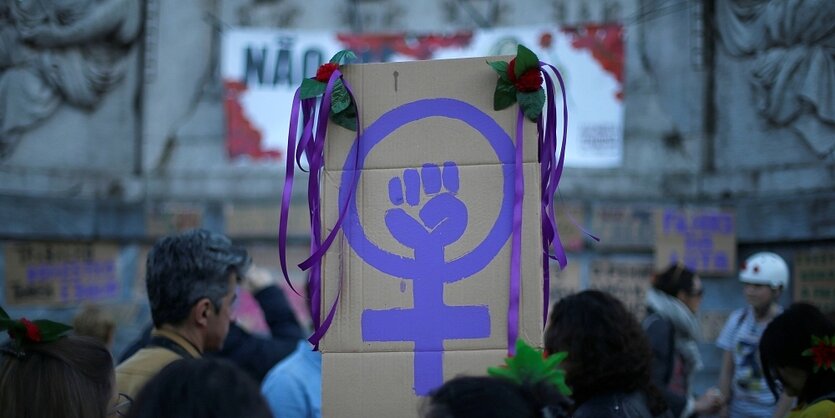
[791,48]
[60,53]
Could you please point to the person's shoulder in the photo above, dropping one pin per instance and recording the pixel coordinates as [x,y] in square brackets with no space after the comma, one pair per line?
[820,409]
[287,369]
[147,361]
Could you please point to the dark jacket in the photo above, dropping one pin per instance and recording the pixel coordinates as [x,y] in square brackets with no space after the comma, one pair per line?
[617,405]
[661,335]
[254,354]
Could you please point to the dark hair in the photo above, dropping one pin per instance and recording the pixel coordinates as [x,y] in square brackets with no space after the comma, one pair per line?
[200,388]
[487,397]
[782,343]
[71,377]
[607,348]
[674,279]
[182,269]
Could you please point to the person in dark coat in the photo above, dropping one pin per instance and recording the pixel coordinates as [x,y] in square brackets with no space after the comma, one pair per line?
[674,333]
[608,363]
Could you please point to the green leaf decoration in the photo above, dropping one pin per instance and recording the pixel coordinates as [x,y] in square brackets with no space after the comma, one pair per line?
[51,330]
[345,54]
[346,118]
[311,88]
[504,96]
[816,340]
[340,99]
[807,352]
[528,365]
[3,314]
[501,68]
[531,103]
[525,60]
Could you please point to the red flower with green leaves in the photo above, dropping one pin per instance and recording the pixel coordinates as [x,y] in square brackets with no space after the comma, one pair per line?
[822,352]
[325,71]
[530,81]
[343,111]
[520,81]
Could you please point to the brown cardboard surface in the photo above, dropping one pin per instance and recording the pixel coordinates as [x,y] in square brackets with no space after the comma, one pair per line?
[59,273]
[380,384]
[704,239]
[366,370]
[814,277]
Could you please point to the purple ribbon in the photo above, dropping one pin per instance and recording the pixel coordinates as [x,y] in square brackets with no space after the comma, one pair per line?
[312,145]
[516,238]
[551,172]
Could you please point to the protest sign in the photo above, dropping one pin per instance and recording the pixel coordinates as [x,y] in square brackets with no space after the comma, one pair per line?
[60,273]
[425,260]
[703,239]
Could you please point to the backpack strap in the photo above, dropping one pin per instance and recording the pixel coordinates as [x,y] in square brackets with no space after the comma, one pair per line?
[169,344]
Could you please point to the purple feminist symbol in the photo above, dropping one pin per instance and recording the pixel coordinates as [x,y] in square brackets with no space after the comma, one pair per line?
[442,221]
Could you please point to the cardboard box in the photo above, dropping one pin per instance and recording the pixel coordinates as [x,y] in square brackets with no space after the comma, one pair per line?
[424,255]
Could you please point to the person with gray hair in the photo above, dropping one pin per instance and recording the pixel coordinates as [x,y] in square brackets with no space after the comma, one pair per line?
[191,280]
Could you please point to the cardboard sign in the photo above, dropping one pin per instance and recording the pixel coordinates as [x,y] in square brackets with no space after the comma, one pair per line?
[623,227]
[814,277]
[704,240]
[50,273]
[628,280]
[424,262]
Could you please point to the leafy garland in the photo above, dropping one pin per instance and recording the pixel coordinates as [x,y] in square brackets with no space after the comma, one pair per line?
[822,352]
[520,80]
[343,109]
[530,365]
[23,331]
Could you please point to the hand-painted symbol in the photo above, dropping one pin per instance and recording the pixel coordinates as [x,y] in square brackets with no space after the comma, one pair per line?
[442,221]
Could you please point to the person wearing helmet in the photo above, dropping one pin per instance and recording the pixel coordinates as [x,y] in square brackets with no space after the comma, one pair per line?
[765,275]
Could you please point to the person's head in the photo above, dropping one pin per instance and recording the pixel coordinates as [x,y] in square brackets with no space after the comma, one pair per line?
[200,388]
[93,321]
[71,377]
[680,282]
[487,397]
[764,275]
[191,280]
[607,348]
[781,353]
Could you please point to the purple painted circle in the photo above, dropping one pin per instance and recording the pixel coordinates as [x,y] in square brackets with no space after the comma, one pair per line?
[399,266]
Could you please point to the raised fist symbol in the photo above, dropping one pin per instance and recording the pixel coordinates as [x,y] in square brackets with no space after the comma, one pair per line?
[443,217]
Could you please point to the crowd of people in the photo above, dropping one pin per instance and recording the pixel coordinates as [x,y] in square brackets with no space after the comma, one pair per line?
[599,360]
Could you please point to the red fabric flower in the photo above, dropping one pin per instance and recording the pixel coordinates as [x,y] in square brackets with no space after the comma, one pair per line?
[530,80]
[324,72]
[32,331]
[823,355]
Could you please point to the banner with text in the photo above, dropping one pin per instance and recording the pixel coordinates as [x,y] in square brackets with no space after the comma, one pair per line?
[261,69]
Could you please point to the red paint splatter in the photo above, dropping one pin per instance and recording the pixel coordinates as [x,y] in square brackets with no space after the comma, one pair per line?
[242,138]
[605,42]
[380,47]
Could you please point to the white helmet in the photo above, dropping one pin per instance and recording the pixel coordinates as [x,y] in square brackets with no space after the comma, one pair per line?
[765,268]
